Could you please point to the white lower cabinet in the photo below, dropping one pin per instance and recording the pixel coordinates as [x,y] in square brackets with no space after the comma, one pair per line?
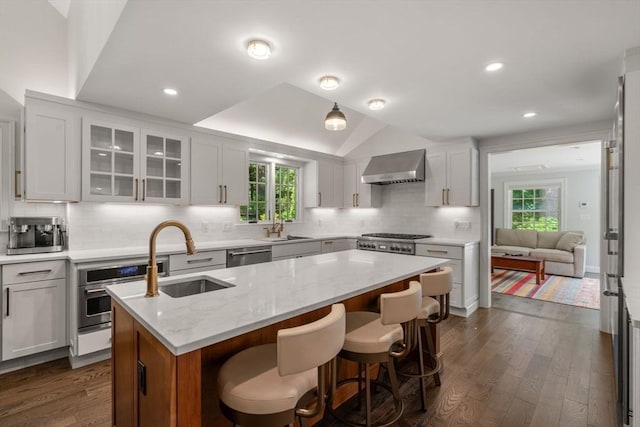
[464,262]
[200,261]
[34,308]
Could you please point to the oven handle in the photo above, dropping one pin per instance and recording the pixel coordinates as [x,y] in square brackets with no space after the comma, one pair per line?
[95,291]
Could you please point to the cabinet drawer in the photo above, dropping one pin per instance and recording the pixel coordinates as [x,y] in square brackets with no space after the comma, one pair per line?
[455,297]
[439,251]
[33,271]
[294,249]
[197,260]
[94,341]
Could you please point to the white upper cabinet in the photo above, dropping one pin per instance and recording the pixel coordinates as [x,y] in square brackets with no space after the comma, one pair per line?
[357,194]
[323,184]
[121,163]
[51,152]
[219,171]
[451,178]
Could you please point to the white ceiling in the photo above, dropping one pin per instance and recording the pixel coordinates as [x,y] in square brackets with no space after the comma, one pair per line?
[426,58]
[538,160]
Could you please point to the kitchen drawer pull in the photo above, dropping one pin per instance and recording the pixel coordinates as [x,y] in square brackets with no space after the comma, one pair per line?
[195,261]
[25,273]
[261,251]
[95,291]
[437,251]
[8,301]
[328,242]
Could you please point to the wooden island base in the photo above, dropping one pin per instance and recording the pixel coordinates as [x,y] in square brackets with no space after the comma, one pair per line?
[153,387]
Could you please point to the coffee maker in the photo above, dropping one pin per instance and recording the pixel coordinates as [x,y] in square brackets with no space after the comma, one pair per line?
[29,235]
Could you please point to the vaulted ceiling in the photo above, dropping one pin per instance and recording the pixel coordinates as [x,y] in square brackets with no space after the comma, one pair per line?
[426,58]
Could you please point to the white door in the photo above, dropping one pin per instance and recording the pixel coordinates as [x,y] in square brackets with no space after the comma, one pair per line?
[325,184]
[235,175]
[33,317]
[164,167]
[350,186]
[435,179]
[458,190]
[205,170]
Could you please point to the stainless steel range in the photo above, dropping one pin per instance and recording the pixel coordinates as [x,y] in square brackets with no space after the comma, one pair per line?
[390,242]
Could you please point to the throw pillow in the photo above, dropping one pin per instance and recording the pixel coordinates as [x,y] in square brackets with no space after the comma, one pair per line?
[569,241]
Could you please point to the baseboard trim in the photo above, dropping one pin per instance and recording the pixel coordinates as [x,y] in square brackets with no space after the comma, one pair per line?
[592,269]
[33,359]
[464,311]
[88,359]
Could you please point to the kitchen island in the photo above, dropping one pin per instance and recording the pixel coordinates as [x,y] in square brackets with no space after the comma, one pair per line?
[166,351]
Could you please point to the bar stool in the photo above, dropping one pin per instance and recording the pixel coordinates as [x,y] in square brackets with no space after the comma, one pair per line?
[270,384]
[379,338]
[436,287]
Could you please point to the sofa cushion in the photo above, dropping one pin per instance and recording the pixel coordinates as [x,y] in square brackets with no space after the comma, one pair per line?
[549,239]
[569,241]
[521,238]
[511,250]
[556,255]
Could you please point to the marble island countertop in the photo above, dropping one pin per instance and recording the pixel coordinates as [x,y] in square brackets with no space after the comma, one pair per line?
[262,294]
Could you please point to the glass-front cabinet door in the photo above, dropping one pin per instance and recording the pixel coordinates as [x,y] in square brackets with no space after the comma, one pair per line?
[164,171]
[110,169]
[124,164]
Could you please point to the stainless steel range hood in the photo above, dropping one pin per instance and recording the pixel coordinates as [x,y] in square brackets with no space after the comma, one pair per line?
[407,166]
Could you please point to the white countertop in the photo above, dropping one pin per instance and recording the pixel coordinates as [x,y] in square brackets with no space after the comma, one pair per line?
[446,242]
[263,294]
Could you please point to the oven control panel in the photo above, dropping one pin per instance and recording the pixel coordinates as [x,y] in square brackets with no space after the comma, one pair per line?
[407,248]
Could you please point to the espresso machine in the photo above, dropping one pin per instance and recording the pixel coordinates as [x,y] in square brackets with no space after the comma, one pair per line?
[29,235]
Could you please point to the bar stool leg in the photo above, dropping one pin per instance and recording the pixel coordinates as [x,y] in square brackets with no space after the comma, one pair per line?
[432,352]
[367,379]
[423,391]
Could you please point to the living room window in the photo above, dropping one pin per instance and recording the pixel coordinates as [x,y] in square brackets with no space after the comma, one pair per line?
[273,193]
[534,205]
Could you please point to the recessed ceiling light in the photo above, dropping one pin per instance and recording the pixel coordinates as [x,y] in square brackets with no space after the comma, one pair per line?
[494,66]
[376,104]
[329,82]
[170,91]
[529,114]
[259,49]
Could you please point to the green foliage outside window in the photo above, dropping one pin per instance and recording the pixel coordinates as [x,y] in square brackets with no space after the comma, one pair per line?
[535,209]
[285,190]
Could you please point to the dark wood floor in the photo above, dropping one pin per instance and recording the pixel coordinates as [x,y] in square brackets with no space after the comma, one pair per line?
[522,363]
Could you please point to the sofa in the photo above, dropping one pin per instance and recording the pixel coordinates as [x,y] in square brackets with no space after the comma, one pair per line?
[564,252]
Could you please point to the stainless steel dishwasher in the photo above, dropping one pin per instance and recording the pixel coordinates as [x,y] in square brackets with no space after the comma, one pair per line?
[246,256]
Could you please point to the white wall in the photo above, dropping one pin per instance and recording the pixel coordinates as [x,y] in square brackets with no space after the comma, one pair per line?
[33,39]
[580,188]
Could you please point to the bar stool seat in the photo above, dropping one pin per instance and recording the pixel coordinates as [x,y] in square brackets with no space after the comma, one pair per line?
[428,308]
[250,382]
[366,333]
[272,384]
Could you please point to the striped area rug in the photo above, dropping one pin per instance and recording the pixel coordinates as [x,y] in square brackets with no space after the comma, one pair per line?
[583,292]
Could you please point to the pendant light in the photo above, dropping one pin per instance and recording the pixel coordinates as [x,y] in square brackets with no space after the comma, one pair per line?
[335,120]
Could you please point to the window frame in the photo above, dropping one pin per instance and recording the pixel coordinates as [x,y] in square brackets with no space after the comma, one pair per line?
[536,184]
[271,164]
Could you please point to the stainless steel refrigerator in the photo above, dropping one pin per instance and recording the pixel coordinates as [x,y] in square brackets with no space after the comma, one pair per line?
[612,258]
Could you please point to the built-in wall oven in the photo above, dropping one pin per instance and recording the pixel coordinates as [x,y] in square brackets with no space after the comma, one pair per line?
[94,304]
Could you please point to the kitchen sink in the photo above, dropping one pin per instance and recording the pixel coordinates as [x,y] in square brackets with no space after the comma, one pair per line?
[198,285]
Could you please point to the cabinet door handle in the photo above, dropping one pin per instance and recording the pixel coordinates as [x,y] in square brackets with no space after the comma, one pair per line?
[357,200]
[25,273]
[225,193]
[142,378]
[443,196]
[135,197]
[448,197]
[319,199]
[16,180]
[8,302]
[353,199]
[144,189]
[196,261]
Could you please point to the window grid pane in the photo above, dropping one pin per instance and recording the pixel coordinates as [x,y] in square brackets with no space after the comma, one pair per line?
[535,208]
[285,193]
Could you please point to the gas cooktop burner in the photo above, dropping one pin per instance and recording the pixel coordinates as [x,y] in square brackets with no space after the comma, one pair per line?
[397,236]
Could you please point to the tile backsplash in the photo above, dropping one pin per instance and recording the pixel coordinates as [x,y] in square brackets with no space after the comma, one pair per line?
[111,225]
